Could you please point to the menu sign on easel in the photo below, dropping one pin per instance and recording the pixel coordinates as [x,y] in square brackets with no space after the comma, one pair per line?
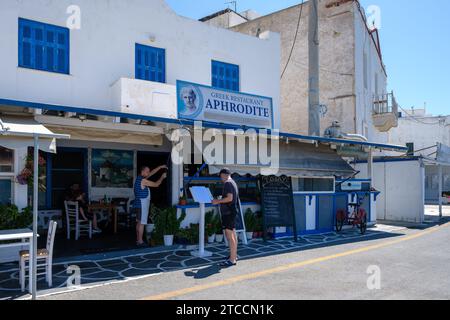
[277,202]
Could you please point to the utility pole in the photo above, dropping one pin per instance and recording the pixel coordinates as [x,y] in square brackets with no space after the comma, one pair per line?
[234,3]
[314,97]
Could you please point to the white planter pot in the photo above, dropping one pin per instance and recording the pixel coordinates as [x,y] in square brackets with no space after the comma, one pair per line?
[249,235]
[168,241]
[150,228]
[212,239]
[219,238]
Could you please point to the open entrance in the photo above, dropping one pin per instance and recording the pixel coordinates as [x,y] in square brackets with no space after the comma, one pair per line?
[162,196]
[67,168]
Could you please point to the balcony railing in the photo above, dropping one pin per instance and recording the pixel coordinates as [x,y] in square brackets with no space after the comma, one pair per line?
[385,103]
[385,112]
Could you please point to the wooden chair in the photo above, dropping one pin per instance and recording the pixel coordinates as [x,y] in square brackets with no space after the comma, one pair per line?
[44,258]
[73,221]
[122,210]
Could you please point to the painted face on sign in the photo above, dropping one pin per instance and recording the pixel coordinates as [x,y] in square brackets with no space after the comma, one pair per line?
[189,98]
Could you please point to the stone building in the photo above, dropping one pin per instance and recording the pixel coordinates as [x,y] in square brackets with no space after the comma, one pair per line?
[353,77]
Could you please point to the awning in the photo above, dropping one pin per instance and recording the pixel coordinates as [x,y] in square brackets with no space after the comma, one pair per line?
[16,132]
[298,160]
[181,122]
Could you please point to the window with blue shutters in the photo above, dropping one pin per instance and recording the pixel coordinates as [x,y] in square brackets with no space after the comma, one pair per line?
[150,63]
[43,46]
[225,76]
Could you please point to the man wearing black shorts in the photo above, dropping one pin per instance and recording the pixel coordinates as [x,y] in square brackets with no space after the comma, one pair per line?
[228,208]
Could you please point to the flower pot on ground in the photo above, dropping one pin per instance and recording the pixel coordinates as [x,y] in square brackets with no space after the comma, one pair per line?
[168,241]
[211,239]
[219,238]
[149,228]
[167,224]
[149,231]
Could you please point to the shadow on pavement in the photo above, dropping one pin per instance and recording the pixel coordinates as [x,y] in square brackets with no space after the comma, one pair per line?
[129,266]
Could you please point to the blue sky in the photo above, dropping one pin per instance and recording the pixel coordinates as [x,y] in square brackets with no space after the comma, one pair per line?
[415,36]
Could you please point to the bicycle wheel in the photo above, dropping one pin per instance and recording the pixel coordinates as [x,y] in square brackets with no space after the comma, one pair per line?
[340,219]
[362,221]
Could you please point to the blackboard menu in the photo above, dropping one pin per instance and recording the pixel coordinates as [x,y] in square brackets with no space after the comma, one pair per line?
[277,202]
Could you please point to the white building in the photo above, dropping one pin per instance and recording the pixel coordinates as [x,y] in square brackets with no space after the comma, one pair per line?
[119,77]
[101,64]
[422,133]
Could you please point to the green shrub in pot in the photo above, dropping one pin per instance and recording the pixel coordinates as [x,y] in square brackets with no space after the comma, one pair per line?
[250,223]
[167,224]
[12,218]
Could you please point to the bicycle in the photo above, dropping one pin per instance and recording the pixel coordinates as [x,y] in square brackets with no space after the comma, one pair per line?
[356,218]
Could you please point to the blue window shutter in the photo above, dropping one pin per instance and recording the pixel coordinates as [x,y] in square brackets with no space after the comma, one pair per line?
[44,47]
[225,76]
[150,63]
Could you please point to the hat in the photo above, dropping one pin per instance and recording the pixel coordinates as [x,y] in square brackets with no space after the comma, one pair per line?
[225,171]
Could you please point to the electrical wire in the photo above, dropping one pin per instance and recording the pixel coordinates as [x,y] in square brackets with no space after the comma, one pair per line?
[417,120]
[295,39]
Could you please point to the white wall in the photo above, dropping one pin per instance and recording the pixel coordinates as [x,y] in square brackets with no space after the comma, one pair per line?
[365,96]
[424,132]
[401,184]
[103,51]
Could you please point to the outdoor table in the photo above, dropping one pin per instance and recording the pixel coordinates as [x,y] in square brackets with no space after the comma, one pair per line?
[19,234]
[110,208]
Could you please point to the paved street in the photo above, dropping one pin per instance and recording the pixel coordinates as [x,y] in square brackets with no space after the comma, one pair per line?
[130,265]
[413,265]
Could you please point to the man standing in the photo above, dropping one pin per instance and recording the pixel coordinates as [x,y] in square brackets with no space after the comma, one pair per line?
[142,196]
[228,208]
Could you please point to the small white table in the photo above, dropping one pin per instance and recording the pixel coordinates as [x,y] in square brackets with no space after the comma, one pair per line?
[25,235]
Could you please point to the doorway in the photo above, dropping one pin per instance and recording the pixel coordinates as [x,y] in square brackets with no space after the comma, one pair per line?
[67,167]
[162,196]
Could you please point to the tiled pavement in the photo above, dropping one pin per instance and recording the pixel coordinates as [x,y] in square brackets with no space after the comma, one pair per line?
[95,272]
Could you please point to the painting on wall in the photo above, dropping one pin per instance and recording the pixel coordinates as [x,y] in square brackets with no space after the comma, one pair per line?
[112,169]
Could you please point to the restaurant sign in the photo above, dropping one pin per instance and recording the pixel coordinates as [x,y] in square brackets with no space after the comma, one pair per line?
[203,103]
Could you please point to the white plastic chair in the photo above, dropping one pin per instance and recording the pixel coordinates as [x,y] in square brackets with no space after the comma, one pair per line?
[73,221]
[44,258]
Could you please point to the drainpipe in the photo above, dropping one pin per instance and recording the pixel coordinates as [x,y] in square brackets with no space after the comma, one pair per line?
[314,96]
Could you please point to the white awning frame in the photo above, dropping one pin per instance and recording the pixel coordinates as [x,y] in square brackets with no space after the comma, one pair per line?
[6,131]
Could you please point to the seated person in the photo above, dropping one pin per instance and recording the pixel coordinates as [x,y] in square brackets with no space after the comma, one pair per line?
[85,215]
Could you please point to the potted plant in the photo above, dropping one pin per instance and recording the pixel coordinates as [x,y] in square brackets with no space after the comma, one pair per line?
[258,225]
[183,200]
[12,218]
[167,224]
[210,226]
[218,229]
[250,223]
[154,212]
[183,236]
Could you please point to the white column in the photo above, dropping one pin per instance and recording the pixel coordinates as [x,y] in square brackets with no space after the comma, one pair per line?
[20,192]
[370,164]
[33,258]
